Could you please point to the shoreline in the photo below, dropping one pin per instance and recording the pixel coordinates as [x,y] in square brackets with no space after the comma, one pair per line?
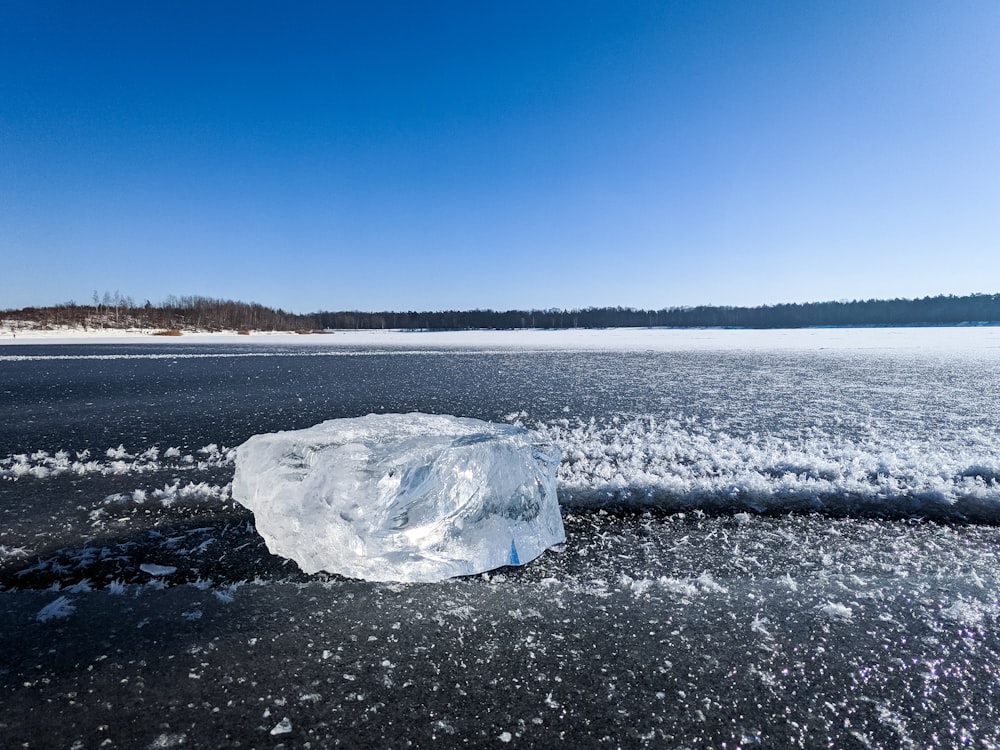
[923,339]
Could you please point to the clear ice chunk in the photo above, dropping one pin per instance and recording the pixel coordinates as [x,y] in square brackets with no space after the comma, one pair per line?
[402,497]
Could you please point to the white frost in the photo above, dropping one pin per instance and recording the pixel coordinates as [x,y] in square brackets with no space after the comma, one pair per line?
[157,570]
[61,607]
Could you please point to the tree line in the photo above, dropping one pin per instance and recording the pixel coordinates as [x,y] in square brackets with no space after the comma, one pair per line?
[115,311]
[940,310]
[191,313]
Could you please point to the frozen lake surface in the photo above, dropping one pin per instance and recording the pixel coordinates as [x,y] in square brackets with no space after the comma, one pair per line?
[776,540]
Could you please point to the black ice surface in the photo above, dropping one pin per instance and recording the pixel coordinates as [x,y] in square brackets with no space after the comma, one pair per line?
[648,628]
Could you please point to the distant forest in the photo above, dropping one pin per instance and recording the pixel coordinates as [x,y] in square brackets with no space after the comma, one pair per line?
[205,314]
[976,308]
[189,313]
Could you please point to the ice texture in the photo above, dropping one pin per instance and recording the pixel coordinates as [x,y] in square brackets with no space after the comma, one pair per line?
[402,497]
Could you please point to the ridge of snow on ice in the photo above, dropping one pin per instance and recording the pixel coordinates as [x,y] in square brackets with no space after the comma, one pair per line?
[684,464]
[42,464]
[402,497]
[678,463]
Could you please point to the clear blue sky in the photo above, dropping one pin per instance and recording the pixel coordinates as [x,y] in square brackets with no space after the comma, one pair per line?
[370,155]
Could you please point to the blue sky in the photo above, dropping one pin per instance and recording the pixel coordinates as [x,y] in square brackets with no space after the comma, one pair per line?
[342,155]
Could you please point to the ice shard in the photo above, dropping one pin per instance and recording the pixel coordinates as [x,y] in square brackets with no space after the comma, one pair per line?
[402,497]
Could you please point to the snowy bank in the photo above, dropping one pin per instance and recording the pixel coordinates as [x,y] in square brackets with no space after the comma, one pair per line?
[944,338]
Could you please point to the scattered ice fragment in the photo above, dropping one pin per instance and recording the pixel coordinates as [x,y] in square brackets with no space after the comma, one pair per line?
[966,613]
[506,737]
[444,726]
[167,741]
[759,626]
[788,581]
[61,607]
[837,611]
[282,727]
[402,497]
[157,570]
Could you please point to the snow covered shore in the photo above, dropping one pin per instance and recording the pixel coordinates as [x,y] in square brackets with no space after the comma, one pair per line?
[942,338]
